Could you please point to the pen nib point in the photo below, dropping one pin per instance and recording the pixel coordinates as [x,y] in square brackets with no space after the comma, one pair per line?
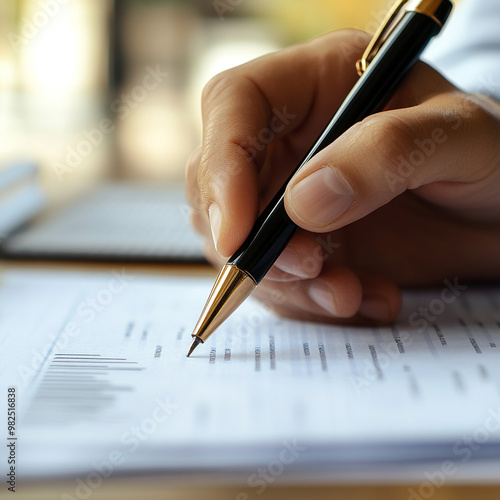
[196,342]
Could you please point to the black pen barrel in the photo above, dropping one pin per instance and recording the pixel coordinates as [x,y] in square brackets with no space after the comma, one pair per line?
[397,56]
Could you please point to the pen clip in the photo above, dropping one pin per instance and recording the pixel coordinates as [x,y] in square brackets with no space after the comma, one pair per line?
[397,11]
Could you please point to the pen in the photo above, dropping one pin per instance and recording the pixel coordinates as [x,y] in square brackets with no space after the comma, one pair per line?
[393,51]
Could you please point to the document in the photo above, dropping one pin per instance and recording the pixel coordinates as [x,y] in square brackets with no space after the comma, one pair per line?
[96,368]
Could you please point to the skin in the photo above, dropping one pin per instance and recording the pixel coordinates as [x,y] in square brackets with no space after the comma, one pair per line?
[407,197]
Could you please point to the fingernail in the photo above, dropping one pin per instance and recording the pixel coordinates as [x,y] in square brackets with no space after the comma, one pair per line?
[321,197]
[290,262]
[322,295]
[375,307]
[215,222]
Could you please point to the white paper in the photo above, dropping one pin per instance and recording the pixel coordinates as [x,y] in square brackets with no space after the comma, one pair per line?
[99,364]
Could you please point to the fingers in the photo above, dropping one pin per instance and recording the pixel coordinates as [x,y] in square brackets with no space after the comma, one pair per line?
[444,149]
[303,258]
[260,118]
[336,295]
[381,300]
[286,94]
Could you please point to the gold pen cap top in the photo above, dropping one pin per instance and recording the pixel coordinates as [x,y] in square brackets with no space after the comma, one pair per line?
[437,10]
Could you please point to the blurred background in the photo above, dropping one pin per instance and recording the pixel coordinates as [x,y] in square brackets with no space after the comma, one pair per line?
[100,89]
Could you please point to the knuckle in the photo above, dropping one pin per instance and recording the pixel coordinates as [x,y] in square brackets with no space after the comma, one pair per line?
[358,39]
[192,172]
[192,191]
[353,37]
[194,159]
[204,178]
[204,172]
[219,168]
[216,85]
[389,138]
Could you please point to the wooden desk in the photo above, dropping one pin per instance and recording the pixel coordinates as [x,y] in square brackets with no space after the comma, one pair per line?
[191,488]
[160,489]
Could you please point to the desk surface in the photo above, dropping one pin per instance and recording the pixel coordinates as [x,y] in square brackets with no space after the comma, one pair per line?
[157,489]
[179,488]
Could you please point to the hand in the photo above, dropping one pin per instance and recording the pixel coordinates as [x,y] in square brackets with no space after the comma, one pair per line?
[407,197]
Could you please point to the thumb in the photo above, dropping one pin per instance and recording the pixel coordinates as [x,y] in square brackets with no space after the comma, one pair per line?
[449,139]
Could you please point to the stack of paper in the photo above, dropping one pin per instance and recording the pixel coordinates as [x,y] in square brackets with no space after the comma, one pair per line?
[103,386]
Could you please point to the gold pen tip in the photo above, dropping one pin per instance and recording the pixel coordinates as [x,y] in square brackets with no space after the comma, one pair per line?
[196,342]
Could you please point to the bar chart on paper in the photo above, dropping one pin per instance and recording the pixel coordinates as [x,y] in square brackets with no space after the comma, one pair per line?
[100,368]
